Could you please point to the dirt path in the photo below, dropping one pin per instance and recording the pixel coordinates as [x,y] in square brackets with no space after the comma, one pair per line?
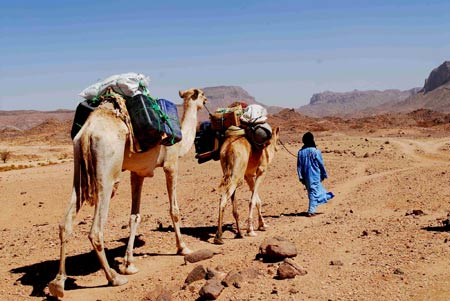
[386,253]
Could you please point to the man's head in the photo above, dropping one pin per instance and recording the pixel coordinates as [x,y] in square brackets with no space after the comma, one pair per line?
[308,140]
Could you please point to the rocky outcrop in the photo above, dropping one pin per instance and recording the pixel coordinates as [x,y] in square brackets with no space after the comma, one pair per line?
[351,104]
[438,77]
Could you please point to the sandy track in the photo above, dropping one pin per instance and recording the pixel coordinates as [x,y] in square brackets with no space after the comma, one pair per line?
[365,227]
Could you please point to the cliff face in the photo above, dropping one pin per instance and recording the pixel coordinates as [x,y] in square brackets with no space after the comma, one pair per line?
[438,77]
[350,104]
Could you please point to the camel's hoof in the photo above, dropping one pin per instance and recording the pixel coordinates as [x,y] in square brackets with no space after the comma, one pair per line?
[56,287]
[262,228]
[238,236]
[117,279]
[218,241]
[184,251]
[251,233]
[128,269]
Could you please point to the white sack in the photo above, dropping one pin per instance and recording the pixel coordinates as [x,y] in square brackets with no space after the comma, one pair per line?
[254,114]
[125,84]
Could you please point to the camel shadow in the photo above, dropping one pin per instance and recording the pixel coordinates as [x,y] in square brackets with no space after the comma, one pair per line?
[437,228]
[204,233]
[38,275]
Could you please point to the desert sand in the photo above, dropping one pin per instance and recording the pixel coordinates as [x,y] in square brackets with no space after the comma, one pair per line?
[383,237]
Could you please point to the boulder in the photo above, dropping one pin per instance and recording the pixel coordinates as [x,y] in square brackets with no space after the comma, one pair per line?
[289,269]
[276,249]
[211,290]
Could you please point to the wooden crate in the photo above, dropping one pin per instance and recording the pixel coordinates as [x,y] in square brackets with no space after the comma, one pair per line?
[222,121]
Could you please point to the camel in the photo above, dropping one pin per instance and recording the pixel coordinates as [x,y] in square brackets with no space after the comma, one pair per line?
[101,153]
[240,160]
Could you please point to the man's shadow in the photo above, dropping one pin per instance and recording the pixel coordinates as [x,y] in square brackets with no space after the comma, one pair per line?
[304,214]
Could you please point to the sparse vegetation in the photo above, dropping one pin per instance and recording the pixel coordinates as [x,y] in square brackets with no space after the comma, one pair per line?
[5,155]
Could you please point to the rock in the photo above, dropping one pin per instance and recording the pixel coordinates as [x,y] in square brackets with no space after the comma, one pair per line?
[276,249]
[336,262]
[251,273]
[366,155]
[233,278]
[437,77]
[211,290]
[398,271]
[415,212]
[158,294]
[199,255]
[289,269]
[198,273]
[214,274]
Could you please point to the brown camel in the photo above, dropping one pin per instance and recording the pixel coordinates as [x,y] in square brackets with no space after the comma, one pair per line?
[101,153]
[240,160]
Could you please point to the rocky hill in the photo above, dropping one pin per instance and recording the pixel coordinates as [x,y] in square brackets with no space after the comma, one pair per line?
[351,104]
[435,95]
[438,77]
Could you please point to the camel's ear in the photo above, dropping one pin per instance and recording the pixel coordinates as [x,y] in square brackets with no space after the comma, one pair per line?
[277,130]
[181,93]
[195,95]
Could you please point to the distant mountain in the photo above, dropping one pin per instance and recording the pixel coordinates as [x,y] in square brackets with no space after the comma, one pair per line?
[438,77]
[222,96]
[26,119]
[435,94]
[351,104]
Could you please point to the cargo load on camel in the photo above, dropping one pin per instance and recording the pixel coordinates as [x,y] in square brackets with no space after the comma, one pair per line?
[153,120]
[238,119]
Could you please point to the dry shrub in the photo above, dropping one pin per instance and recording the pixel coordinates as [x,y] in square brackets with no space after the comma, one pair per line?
[5,155]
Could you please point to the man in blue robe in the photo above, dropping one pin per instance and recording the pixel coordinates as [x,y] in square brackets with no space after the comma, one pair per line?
[311,172]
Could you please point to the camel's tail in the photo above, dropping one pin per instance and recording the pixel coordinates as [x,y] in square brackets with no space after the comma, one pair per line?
[87,173]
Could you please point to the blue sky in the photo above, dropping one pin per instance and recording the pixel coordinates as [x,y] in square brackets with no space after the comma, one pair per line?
[281,51]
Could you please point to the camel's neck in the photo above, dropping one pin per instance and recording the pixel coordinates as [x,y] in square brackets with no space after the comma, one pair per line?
[188,128]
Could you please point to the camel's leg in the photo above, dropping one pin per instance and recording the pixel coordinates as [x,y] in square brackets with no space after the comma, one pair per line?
[236,215]
[251,183]
[128,267]
[96,234]
[254,184]
[171,181]
[223,202]
[259,179]
[56,286]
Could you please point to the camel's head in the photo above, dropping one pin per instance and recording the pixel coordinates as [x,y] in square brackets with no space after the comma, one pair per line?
[195,97]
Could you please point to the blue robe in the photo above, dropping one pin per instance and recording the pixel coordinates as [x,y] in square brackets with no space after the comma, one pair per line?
[311,172]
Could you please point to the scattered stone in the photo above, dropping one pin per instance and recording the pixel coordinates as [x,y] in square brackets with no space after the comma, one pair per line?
[199,255]
[289,269]
[251,273]
[276,249]
[398,271]
[336,262]
[214,274]
[198,273]
[233,278]
[365,233]
[366,155]
[211,290]
[158,294]
[415,212]
[376,231]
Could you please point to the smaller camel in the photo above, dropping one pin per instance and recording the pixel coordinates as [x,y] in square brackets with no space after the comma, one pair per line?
[101,153]
[240,160]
